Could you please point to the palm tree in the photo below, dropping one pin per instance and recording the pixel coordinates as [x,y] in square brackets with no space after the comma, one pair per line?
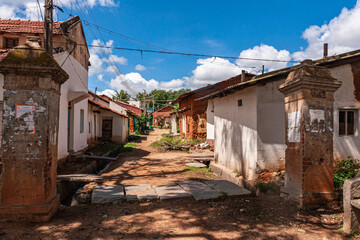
[122,96]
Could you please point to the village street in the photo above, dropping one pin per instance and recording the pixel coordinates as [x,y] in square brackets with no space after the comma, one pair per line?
[252,217]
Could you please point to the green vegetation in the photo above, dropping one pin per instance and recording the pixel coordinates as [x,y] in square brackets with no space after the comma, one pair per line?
[128,147]
[264,187]
[196,169]
[174,143]
[345,169]
[141,122]
[161,97]
[122,96]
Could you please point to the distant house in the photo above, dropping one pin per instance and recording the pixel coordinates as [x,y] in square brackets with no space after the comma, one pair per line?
[72,54]
[107,120]
[249,118]
[161,117]
[193,114]
[133,113]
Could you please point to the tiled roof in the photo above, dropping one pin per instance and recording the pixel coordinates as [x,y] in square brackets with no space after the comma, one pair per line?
[137,111]
[104,107]
[26,26]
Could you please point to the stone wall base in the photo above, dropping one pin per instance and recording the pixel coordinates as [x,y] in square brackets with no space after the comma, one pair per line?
[226,174]
[32,213]
[308,199]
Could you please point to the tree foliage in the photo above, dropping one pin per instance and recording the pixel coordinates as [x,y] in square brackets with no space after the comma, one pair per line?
[122,96]
[163,97]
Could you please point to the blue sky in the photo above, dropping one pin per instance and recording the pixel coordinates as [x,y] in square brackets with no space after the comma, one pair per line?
[284,30]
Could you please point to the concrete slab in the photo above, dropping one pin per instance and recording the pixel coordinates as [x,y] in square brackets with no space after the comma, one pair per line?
[107,194]
[171,191]
[199,190]
[231,189]
[140,192]
[196,164]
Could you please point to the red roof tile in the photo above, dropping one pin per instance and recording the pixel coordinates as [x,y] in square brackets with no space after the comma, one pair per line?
[104,107]
[137,111]
[26,26]
[3,53]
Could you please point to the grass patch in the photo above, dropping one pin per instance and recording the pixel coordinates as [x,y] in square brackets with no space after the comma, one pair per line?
[128,147]
[196,169]
[174,143]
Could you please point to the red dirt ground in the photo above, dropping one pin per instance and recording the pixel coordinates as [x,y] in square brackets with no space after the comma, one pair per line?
[262,217]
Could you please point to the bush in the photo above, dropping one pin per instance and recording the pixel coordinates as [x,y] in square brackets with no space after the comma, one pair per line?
[345,169]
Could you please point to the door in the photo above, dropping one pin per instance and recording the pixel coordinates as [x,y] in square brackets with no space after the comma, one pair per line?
[106,129]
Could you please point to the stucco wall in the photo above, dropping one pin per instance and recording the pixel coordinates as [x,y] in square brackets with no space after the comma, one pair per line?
[210,130]
[271,126]
[78,79]
[235,132]
[345,146]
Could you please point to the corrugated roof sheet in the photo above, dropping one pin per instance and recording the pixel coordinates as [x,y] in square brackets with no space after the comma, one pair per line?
[104,107]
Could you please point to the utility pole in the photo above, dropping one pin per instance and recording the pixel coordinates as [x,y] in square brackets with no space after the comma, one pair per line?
[48,26]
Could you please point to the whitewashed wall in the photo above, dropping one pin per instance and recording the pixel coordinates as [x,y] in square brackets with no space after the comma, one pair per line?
[271,126]
[78,81]
[345,146]
[210,130]
[236,132]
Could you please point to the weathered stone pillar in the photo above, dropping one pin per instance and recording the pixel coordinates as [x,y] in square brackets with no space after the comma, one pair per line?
[309,96]
[32,80]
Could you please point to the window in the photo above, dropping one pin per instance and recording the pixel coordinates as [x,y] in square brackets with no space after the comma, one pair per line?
[346,122]
[81,120]
[89,127]
[11,42]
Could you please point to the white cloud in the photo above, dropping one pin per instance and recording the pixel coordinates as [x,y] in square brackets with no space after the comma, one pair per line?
[108,92]
[117,59]
[140,67]
[98,63]
[7,11]
[210,71]
[342,34]
[136,81]
[173,84]
[29,9]
[263,52]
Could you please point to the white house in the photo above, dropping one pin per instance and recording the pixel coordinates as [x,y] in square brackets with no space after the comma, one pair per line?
[249,118]
[107,121]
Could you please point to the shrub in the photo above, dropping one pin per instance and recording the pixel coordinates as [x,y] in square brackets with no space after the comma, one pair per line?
[345,169]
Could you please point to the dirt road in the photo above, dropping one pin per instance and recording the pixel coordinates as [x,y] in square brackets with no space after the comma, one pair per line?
[264,217]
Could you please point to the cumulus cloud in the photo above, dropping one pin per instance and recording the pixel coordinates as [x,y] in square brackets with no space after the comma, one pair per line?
[140,67]
[210,71]
[98,62]
[136,81]
[342,34]
[29,9]
[173,84]
[108,92]
[264,52]
[7,11]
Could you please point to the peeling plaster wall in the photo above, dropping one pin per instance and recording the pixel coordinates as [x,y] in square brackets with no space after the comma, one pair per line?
[78,80]
[271,126]
[236,132]
[345,146]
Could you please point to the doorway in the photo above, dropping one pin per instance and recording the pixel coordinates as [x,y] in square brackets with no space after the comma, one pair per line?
[106,129]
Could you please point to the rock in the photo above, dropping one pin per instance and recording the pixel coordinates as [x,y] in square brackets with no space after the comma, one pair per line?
[199,190]
[171,191]
[140,192]
[107,194]
[231,189]
[196,164]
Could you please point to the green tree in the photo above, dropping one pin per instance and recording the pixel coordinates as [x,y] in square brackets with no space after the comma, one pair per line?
[122,96]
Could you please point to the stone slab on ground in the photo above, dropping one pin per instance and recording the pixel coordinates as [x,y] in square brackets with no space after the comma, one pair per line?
[199,190]
[140,192]
[107,194]
[196,164]
[171,191]
[231,189]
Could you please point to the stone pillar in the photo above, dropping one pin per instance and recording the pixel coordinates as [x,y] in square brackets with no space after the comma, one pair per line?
[309,96]
[32,80]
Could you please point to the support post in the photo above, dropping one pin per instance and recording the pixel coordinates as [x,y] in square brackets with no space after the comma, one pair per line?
[48,26]
[30,122]
[309,96]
